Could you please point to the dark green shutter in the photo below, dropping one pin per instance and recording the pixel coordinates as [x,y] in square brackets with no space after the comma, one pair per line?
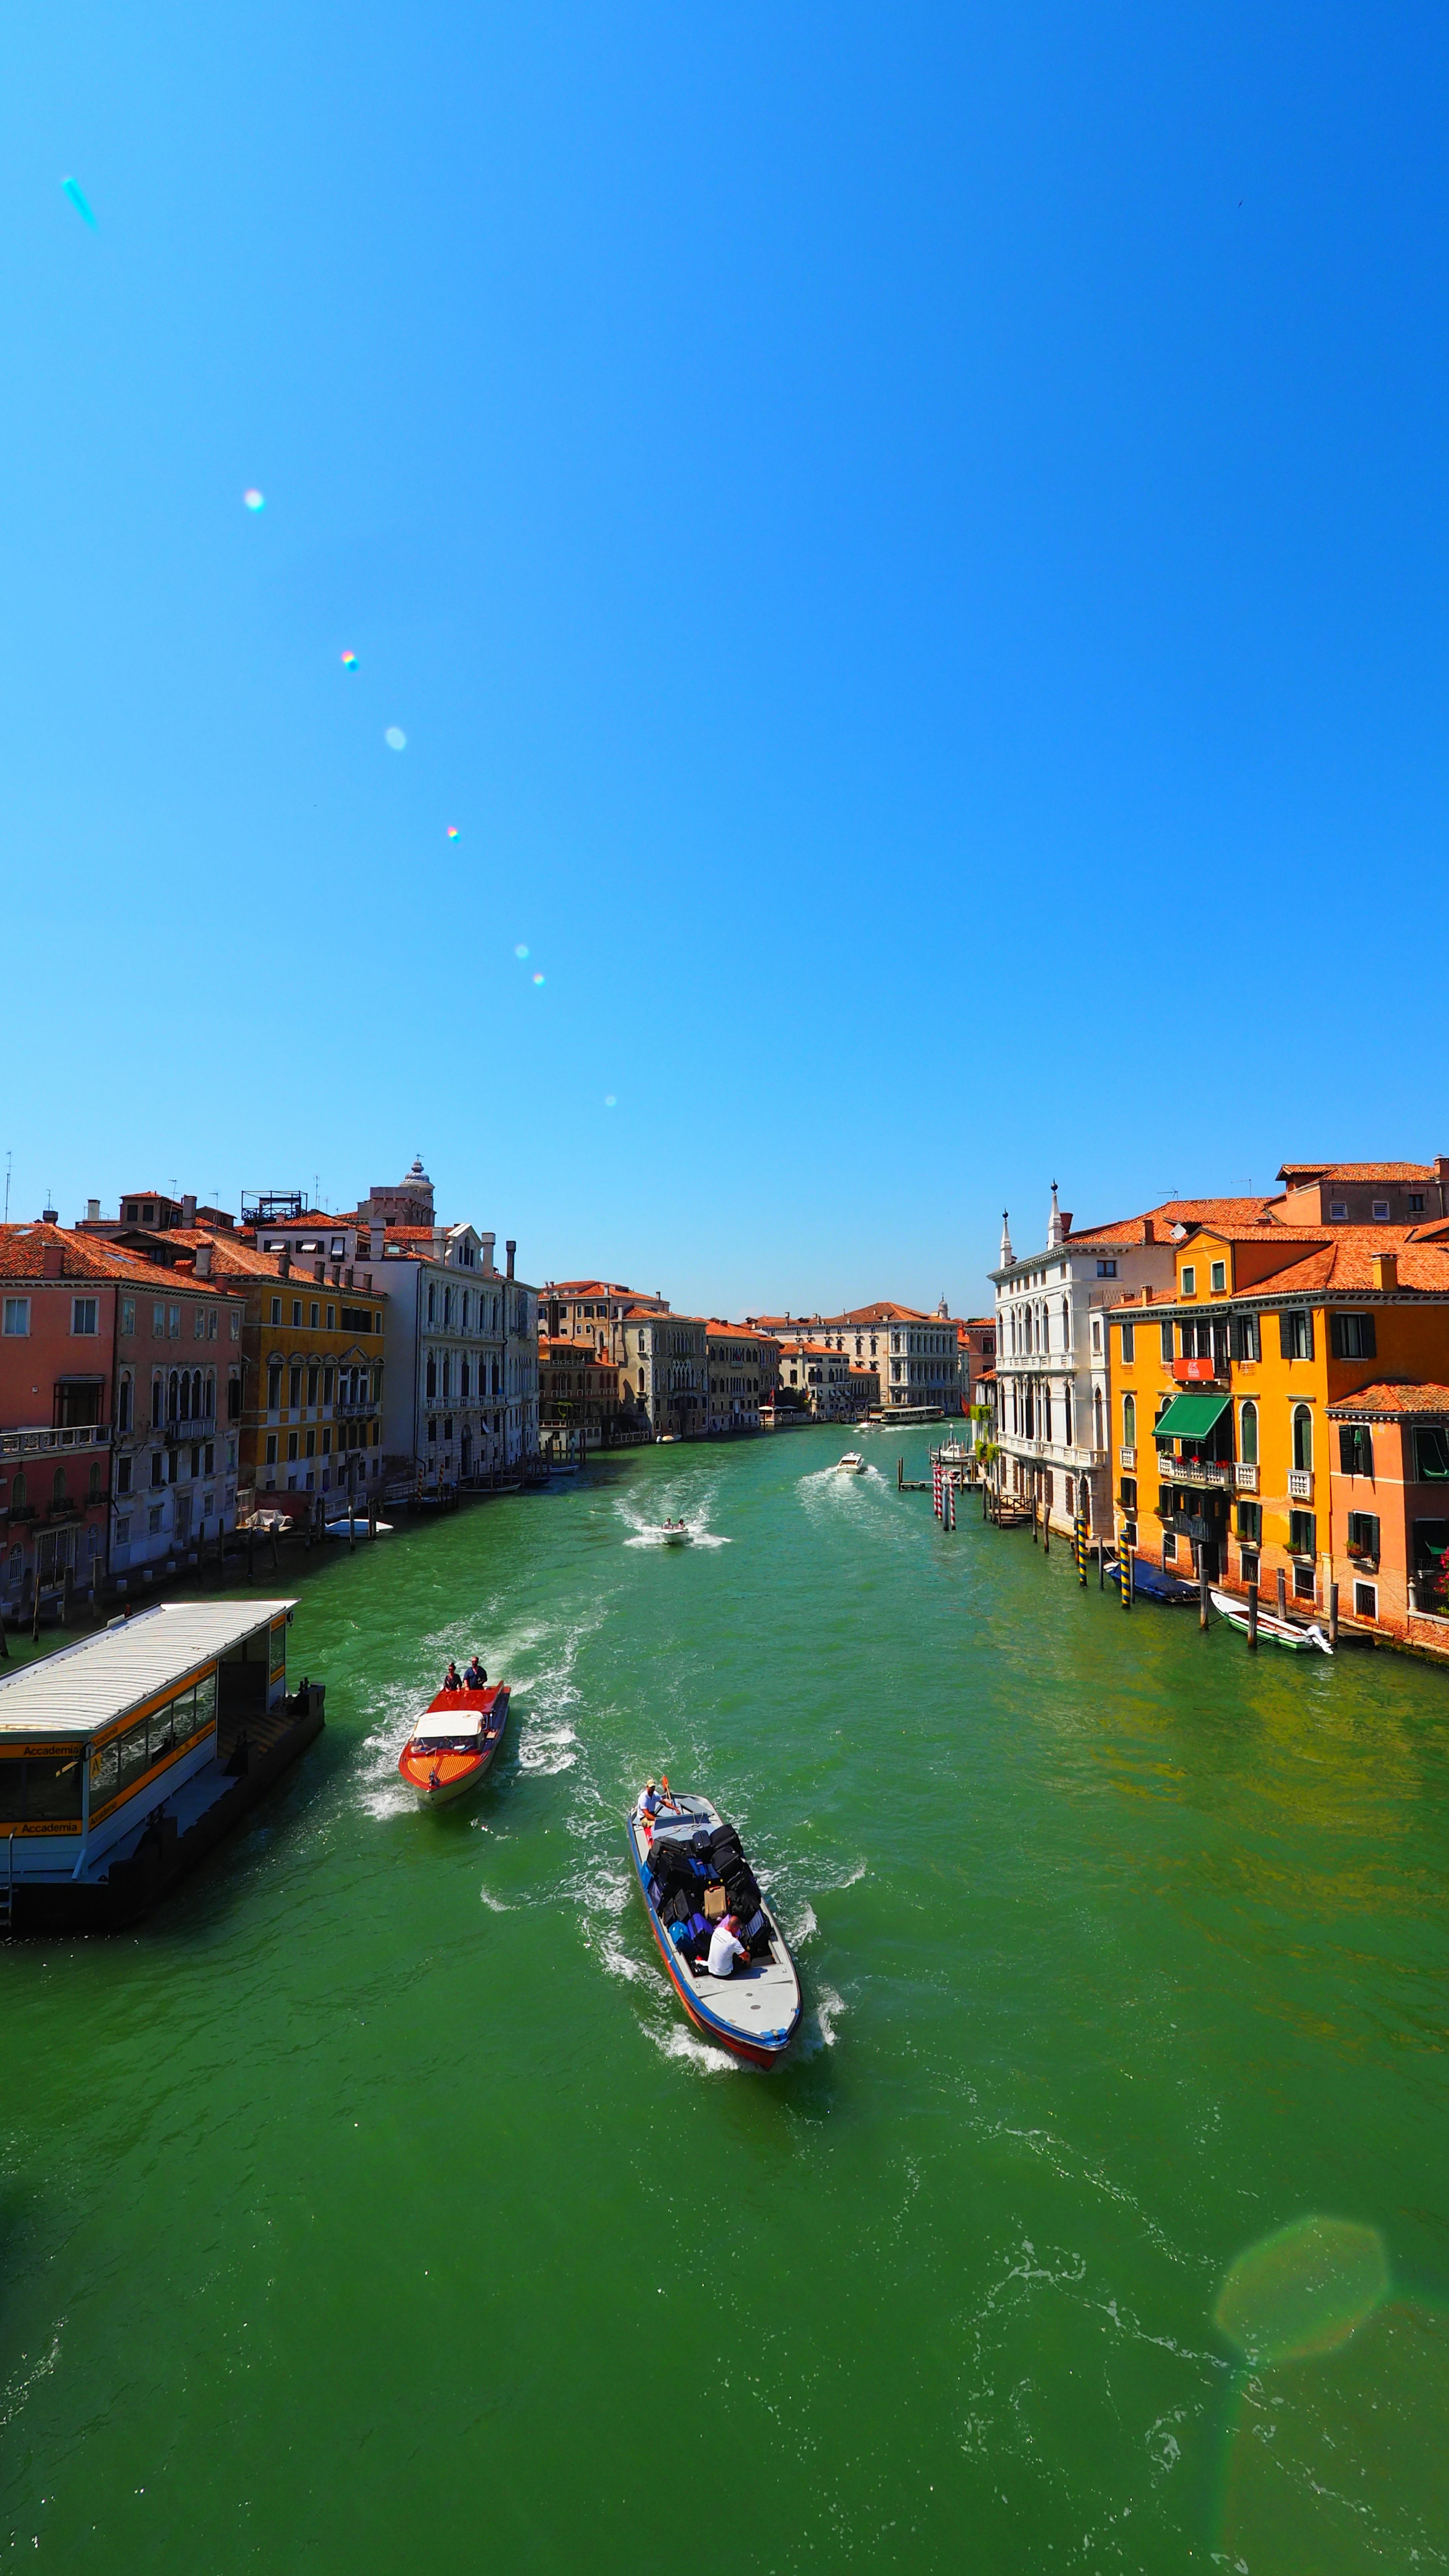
[1285,1334]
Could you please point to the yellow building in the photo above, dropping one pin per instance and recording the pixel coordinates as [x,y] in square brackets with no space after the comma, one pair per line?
[1220,1390]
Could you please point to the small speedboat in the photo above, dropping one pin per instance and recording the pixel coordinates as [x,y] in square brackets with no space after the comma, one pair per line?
[852,1464]
[453,1743]
[756,2011]
[675,1533]
[358,1527]
[1275,1632]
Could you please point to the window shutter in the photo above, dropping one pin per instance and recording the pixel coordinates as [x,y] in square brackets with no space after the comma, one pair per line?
[1285,1334]
[1166,1330]
[1306,1325]
[1368,1338]
[1338,1336]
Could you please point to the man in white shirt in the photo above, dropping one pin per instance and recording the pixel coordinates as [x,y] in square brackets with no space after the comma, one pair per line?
[650,1801]
[725,1948]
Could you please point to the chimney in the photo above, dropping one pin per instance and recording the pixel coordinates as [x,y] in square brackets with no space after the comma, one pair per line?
[188,1207]
[1147,1234]
[1386,1270]
[52,1258]
[488,1242]
[50,1216]
[284,1263]
[440,1243]
[93,1211]
[203,1261]
[510,1247]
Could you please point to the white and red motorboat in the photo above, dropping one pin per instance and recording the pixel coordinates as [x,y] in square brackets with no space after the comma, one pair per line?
[453,1743]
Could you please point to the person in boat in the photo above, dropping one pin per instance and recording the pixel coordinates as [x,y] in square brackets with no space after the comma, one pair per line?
[725,1947]
[450,1678]
[650,1801]
[474,1677]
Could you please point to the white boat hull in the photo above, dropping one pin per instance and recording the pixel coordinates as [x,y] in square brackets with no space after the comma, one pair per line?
[1273,1631]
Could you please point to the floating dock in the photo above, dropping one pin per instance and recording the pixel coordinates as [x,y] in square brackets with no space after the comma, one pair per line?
[126,1758]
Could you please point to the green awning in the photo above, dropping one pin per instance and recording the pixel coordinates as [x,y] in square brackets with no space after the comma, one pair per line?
[1190,1417]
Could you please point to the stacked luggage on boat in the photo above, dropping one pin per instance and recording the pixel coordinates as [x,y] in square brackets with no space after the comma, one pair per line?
[696,1877]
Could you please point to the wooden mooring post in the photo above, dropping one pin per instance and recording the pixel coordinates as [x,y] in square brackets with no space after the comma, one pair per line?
[1333,1614]
[1252,1618]
[1202,1591]
[1282,1594]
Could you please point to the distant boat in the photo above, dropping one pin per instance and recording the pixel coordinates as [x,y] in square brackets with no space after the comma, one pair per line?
[453,1743]
[358,1527]
[852,1464]
[1278,1632]
[676,1533]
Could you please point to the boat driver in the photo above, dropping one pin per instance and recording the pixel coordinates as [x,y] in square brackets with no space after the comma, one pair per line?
[725,1947]
[474,1677]
[650,1801]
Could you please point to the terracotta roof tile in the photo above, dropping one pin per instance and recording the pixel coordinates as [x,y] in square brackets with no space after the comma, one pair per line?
[1392,1398]
[1356,1172]
[87,1256]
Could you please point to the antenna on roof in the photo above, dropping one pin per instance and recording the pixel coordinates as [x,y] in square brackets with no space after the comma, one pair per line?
[9,1158]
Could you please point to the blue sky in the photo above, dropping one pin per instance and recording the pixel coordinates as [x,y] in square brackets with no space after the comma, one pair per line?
[910,544]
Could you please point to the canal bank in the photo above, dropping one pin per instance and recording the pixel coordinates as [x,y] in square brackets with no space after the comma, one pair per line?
[1122,1952]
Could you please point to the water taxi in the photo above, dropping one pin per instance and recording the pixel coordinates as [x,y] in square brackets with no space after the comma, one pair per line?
[1274,1632]
[126,1757]
[852,1464]
[756,2011]
[676,1533]
[453,1743]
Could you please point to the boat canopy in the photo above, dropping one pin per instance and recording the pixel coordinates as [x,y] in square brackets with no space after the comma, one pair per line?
[1190,1417]
[87,1686]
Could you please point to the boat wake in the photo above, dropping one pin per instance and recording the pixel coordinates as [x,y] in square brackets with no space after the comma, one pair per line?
[646,1533]
[817,2030]
[495,1904]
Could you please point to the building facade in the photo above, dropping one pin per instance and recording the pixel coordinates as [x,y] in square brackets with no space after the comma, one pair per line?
[815,1375]
[665,1371]
[593,1310]
[743,1368]
[577,1390]
[1246,1405]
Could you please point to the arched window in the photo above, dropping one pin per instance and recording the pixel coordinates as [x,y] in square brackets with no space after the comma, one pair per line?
[211,1395]
[464,1378]
[1067,1412]
[432,1377]
[158,1400]
[1066,1325]
[1248,1435]
[1129,1421]
[123,1402]
[1096,1417]
[57,1486]
[172,1393]
[17,1491]
[1302,1436]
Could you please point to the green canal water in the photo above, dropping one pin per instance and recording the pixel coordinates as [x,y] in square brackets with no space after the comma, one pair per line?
[374,2208]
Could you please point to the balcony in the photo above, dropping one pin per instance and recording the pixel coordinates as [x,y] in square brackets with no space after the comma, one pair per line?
[1218,1472]
[1300,1484]
[1127,1458]
[85,1435]
[195,1427]
[1201,1372]
[1247,1478]
[367,1406]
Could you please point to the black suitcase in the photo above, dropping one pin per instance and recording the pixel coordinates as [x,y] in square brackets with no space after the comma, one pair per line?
[727,1855]
[720,1834]
[742,1893]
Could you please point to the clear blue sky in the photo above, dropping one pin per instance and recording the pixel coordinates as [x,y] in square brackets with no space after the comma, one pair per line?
[910,543]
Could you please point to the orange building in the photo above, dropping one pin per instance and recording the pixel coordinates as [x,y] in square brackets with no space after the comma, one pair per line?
[1232,1398]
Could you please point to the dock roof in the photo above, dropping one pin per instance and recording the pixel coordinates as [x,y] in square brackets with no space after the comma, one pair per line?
[87,1686]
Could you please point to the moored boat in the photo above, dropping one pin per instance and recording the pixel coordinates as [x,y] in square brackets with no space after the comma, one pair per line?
[453,1743]
[756,2011]
[1275,1632]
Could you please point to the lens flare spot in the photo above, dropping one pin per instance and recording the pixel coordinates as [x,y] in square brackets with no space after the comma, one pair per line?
[395,738]
[521,950]
[610,1101]
[77,196]
[254,499]
[452,831]
[538,979]
[349,661]
[1304,2290]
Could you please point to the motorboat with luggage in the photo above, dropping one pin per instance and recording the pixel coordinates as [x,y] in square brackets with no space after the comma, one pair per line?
[1274,1632]
[852,1464]
[454,1743]
[692,1870]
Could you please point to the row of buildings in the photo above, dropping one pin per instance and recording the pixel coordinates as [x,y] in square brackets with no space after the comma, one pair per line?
[168,1372]
[1257,1388]
[623,1365]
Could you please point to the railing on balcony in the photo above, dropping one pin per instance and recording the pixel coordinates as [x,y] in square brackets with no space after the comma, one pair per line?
[197,1426]
[1197,1471]
[82,1435]
[348,1412]
[1300,1484]
[1127,1457]
[1246,1477]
